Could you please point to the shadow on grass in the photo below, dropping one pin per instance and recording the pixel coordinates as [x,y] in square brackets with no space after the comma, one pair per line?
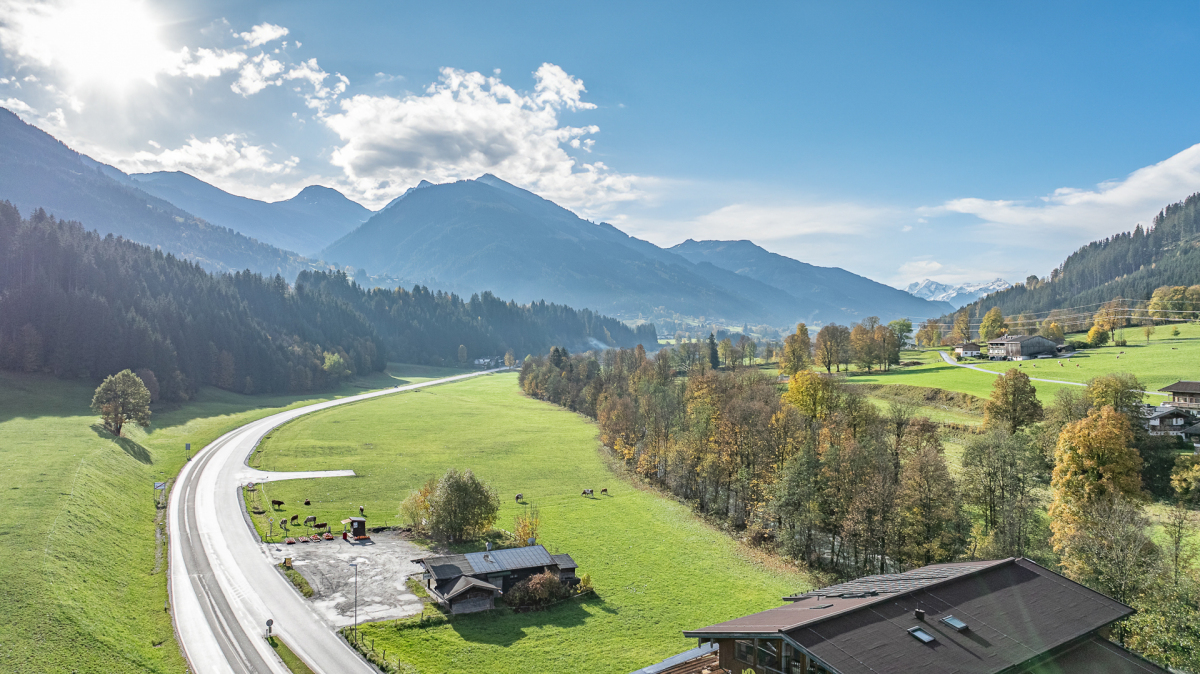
[133,449]
[503,627]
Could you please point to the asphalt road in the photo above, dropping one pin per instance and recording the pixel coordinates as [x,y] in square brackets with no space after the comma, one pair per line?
[223,587]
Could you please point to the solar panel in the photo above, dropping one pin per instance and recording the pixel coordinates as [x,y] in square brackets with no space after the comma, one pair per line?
[921,635]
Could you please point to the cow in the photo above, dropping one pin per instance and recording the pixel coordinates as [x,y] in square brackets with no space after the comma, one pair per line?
[604,491]
[519,497]
[294,518]
[276,503]
[588,492]
[307,502]
[321,525]
[310,519]
[360,510]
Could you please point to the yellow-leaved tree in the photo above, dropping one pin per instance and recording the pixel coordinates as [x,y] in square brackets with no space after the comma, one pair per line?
[1094,460]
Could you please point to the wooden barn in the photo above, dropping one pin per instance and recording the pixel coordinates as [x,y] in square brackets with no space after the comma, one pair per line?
[471,582]
[1020,347]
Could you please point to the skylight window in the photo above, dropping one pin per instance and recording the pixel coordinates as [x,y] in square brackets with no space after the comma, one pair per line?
[921,635]
[955,623]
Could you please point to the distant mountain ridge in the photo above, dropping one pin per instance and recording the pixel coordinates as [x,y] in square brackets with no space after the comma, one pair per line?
[38,171]
[487,233]
[306,223]
[956,295]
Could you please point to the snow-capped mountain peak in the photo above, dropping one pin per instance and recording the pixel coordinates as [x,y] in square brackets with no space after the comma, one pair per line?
[957,295]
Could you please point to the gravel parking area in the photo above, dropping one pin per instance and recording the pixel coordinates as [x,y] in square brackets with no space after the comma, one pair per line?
[384,563]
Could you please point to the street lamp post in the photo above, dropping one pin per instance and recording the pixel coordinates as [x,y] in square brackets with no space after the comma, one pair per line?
[355,600]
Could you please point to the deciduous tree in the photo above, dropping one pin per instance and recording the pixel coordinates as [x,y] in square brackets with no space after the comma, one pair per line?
[1014,403]
[122,398]
[992,325]
[462,506]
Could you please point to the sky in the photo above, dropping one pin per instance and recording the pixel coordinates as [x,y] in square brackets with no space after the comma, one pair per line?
[955,141]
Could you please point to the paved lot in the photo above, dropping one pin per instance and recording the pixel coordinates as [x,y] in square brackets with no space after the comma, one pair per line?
[383,565]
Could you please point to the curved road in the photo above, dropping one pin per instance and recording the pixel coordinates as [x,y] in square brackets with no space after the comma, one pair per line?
[222,585]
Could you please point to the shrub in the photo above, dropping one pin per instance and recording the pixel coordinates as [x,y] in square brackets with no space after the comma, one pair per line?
[415,508]
[540,590]
[1097,336]
[1077,345]
[1120,342]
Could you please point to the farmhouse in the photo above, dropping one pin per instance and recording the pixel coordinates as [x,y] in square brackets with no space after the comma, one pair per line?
[1020,347]
[969,350]
[1167,420]
[982,617]
[1185,394]
[471,582]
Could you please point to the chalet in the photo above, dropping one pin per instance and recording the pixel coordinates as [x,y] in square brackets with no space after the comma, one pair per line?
[1192,435]
[1167,420]
[471,582]
[1020,347]
[983,617]
[969,350]
[1185,394]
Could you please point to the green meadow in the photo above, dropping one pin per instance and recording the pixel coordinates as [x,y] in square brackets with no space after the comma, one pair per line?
[83,580]
[656,568]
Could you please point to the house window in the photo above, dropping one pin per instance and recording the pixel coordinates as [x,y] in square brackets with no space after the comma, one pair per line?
[768,654]
[743,650]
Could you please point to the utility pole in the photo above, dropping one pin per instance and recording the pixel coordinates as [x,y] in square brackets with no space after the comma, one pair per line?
[355,600]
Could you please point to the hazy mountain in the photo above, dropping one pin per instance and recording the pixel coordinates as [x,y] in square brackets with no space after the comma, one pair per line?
[307,222]
[38,171]
[836,294]
[486,233]
[956,295]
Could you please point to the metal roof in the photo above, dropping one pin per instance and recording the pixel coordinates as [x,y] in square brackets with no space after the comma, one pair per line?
[447,566]
[509,559]
[1182,387]
[564,561]
[687,656]
[465,583]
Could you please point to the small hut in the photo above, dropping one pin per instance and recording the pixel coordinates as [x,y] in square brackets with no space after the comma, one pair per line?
[358,527]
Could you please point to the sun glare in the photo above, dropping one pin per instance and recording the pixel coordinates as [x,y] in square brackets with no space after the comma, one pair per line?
[107,43]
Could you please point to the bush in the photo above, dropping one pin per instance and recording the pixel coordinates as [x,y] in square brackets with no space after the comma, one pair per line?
[1120,342]
[462,506]
[1077,345]
[540,590]
[1097,336]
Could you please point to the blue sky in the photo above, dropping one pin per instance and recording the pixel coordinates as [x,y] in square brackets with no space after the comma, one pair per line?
[958,141]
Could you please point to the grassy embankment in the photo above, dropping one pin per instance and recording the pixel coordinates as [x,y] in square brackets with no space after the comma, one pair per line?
[657,569]
[82,581]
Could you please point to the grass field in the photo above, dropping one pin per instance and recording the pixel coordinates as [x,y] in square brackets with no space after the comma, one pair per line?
[82,578]
[656,568]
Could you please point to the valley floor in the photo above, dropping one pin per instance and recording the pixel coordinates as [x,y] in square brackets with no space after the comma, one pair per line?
[657,569]
[83,582]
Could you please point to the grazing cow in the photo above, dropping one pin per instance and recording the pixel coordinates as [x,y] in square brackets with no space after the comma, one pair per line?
[310,518]
[294,518]
[604,491]
[307,502]
[321,525]
[588,492]
[276,503]
[519,497]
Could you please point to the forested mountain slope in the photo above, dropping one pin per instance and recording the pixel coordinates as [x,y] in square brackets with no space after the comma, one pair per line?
[1129,265]
[38,171]
[841,291]
[81,305]
[306,223]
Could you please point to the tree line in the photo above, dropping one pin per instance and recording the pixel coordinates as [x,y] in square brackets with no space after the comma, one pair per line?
[76,304]
[822,475]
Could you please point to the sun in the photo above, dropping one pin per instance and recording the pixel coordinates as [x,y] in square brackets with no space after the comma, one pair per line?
[105,43]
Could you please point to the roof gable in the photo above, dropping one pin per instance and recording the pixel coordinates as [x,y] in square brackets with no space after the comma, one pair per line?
[1182,387]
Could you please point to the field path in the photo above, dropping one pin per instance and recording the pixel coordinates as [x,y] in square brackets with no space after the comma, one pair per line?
[223,588]
[951,361]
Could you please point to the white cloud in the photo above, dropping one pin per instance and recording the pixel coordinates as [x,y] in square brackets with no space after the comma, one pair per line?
[920,268]
[1112,206]
[467,124]
[208,62]
[321,95]
[18,106]
[263,33]
[210,160]
[257,75]
[761,222]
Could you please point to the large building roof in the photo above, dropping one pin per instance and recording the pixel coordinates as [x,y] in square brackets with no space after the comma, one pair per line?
[1014,611]
[1182,387]
[493,561]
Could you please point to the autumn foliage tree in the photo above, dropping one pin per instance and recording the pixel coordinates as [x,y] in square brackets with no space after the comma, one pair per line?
[797,351]
[122,398]
[1014,403]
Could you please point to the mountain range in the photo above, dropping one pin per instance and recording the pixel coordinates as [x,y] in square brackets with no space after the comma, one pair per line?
[956,295]
[465,237]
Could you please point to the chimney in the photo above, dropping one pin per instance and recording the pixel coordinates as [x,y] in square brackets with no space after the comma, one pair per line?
[489,546]
[919,614]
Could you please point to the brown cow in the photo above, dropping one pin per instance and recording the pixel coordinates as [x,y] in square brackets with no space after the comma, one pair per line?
[604,491]
[276,503]
[294,518]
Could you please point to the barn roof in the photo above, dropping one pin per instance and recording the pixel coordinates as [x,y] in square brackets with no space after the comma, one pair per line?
[465,583]
[564,561]
[1182,387]
[509,559]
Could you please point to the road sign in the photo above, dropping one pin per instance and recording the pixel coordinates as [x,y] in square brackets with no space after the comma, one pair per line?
[160,485]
